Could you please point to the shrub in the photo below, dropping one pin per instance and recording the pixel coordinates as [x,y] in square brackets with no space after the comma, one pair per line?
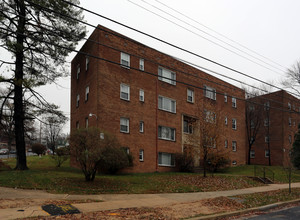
[113,159]
[216,161]
[94,153]
[184,162]
[61,155]
[38,148]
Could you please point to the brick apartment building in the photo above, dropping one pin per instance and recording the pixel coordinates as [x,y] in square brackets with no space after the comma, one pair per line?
[147,99]
[279,123]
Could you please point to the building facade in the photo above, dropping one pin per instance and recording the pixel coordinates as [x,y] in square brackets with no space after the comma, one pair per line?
[280,116]
[148,100]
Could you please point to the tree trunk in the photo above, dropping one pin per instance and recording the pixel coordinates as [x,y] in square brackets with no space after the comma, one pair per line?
[18,90]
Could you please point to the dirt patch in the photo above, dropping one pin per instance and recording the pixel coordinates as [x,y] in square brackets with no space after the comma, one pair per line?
[175,211]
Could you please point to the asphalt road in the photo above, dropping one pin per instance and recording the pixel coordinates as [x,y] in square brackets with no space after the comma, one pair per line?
[290,213]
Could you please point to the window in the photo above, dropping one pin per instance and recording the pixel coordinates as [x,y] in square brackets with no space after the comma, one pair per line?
[126,149]
[251,107]
[234,124]
[166,104]
[234,162]
[226,120]
[77,124]
[226,143]
[233,102]
[290,122]
[225,97]
[78,71]
[125,60]
[77,100]
[210,116]
[210,92]
[267,139]
[187,126]
[252,154]
[87,91]
[266,122]
[142,64]
[289,106]
[86,122]
[267,106]
[166,75]
[124,125]
[166,133]
[102,136]
[142,97]
[124,92]
[166,159]
[87,62]
[233,145]
[290,139]
[141,155]
[267,153]
[141,127]
[190,95]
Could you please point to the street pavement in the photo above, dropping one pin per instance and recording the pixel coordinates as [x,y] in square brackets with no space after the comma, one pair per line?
[116,201]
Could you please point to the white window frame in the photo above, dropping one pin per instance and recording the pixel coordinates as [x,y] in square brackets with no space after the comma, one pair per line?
[267,106]
[234,105]
[234,146]
[226,143]
[77,124]
[252,154]
[126,58]
[266,122]
[166,104]
[225,98]
[210,116]
[124,89]
[290,139]
[210,92]
[142,63]
[289,106]
[124,122]
[171,160]
[87,92]
[168,132]
[234,124]
[290,122]
[78,71]
[190,95]
[166,75]
[141,155]
[226,120]
[267,139]
[87,62]
[142,95]
[234,162]
[141,127]
[267,153]
[77,100]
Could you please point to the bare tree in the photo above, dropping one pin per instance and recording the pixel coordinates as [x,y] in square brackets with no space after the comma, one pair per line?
[207,130]
[292,80]
[53,126]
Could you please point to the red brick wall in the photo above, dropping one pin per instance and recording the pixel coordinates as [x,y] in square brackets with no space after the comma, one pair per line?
[105,78]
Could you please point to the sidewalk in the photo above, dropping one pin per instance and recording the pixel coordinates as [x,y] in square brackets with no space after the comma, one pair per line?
[116,201]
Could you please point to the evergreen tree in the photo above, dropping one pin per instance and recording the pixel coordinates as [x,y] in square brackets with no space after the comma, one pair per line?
[296,150]
[38,34]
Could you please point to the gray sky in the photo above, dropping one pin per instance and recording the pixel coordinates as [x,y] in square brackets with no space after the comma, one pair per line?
[268,27]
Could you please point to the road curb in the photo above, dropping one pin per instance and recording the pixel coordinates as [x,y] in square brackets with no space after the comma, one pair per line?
[245,211]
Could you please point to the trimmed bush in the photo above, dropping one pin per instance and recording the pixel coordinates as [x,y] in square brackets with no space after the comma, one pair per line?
[38,149]
[61,155]
[184,162]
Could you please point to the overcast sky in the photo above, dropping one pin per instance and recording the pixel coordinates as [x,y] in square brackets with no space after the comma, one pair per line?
[270,28]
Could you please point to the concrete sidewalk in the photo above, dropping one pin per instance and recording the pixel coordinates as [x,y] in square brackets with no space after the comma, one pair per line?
[116,201]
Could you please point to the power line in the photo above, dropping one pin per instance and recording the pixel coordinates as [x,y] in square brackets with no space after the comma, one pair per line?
[165,42]
[205,37]
[218,33]
[184,61]
[150,73]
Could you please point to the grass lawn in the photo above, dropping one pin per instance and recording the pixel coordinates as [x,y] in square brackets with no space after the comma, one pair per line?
[44,175]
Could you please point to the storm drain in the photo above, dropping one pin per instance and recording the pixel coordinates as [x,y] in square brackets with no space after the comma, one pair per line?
[60,209]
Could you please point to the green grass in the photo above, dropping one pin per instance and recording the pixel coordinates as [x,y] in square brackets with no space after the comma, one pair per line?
[43,174]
